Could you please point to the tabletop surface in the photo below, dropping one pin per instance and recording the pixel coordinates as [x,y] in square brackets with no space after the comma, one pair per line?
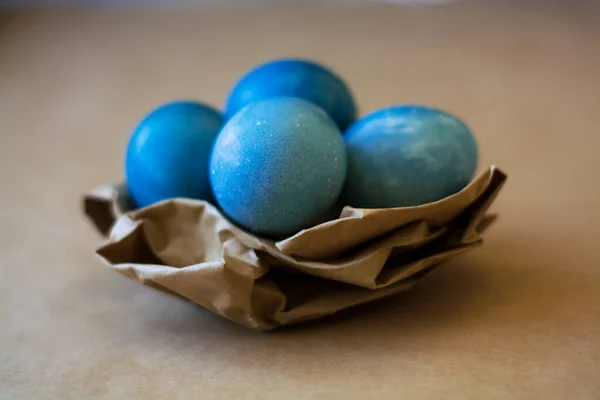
[517,318]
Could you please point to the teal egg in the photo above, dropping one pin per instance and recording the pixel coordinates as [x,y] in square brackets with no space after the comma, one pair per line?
[168,153]
[277,166]
[407,156]
[299,78]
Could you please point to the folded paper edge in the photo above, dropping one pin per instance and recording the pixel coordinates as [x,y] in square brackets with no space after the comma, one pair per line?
[297,244]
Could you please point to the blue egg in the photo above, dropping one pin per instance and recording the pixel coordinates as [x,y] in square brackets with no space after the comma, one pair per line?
[407,156]
[169,152]
[295,78]
[277,166]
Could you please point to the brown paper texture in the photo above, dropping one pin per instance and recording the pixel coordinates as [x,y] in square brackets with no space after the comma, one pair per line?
[188,248]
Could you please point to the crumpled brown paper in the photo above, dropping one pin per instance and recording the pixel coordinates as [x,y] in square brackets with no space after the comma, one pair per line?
[188,248]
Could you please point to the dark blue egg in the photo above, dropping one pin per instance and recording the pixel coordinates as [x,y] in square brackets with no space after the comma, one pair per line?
[169,152]
[295,78]
[407,156]
[277,166]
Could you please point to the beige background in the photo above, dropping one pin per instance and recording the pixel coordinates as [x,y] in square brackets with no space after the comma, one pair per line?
[518,318]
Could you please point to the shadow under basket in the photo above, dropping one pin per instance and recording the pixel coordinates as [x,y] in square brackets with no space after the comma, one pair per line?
[188,248]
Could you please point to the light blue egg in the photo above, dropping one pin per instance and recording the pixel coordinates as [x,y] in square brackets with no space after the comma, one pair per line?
[407,156]
[169,151]
[277,166]
[295,78]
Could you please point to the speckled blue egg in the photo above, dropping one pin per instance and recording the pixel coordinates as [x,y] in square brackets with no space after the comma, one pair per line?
[277,166]
[169,152]
[295,78]
[407,156]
